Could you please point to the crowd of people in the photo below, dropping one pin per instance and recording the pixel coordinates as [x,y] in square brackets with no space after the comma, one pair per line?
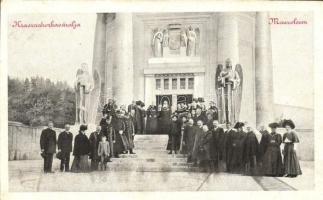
[193,130]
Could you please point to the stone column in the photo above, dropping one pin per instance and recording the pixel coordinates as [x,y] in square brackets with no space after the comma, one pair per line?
[98,66]
[123,64]
[263,71]
[228,38]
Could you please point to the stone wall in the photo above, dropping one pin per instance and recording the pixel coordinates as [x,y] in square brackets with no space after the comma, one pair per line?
[23,141]
[304,121]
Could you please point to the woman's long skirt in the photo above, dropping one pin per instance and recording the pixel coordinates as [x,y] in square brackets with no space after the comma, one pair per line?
[151,125]
[272,164]
[80,164]
[291,163]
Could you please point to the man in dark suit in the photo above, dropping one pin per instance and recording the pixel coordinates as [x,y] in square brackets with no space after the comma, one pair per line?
[64,144]
[218,144]
[48,146]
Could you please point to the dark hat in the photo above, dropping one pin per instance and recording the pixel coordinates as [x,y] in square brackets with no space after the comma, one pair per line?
[238,125]
[200,99]
[288,122]
[138,103]
[118,111]
[83,127]
[273,125]
[194,99]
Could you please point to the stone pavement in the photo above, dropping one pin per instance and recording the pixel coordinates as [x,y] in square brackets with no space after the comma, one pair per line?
[151,169]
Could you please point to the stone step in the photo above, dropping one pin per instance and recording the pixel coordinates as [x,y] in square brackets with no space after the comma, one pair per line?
[150,166]
[151,159]
[151,154]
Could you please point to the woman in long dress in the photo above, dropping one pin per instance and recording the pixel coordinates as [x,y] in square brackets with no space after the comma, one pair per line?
[164,119]
[81,151]
[272,159]
[151,127]
[291,163]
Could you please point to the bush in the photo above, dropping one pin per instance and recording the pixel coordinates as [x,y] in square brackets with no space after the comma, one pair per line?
[36,101]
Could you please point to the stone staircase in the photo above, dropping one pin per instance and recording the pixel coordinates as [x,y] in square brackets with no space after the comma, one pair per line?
[151,156]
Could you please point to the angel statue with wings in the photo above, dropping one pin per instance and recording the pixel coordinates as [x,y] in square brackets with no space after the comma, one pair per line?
[83,87]
[229,91]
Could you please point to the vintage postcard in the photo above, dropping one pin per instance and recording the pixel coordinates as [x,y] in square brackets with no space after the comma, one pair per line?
[160,97]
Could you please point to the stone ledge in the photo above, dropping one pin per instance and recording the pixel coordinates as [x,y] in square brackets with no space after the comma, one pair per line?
[174,69]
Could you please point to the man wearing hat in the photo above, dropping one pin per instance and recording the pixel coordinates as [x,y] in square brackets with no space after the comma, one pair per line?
[119,128]
[218,144]
[250,151]
[263,143]
[235,149]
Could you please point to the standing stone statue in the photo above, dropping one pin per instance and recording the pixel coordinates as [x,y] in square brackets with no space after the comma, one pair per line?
[229,91]
[157,44]
[191,42]
[183,39]
[166,38]
[83,87]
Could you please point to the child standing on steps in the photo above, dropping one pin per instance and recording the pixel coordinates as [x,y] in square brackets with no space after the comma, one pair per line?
[104,152]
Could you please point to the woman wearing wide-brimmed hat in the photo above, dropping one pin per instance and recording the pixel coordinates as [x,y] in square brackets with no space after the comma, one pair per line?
[81,151]
[272,159]
[291,163]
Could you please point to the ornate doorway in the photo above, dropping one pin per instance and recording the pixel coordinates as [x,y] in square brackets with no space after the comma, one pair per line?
[161,98]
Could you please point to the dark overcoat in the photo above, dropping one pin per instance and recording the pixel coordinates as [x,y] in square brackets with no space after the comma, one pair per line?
[81,145]
[48,141]
[64,142]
